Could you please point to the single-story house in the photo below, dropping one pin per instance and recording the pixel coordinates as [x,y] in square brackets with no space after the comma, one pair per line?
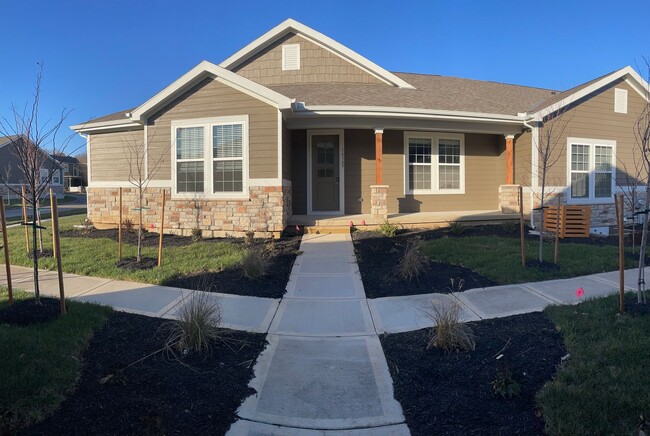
[12,176]
[297,125]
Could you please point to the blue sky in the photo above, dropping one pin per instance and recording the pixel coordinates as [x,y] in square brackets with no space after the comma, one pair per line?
[103,56]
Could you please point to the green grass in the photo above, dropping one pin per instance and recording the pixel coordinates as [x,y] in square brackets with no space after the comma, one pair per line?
[500,258]
[98,257]
[605,386]
[41,363]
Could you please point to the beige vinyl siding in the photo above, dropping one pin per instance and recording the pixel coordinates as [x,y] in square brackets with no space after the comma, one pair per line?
[359,170]
[594,118]
[109,153]
[286,152]
[209,99]
[317,65]
[299,171]
[523,153]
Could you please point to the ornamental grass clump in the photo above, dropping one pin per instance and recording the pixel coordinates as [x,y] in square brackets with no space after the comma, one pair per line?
[254,263]
[388,229]
[449,333]
[413,263]
[197,326]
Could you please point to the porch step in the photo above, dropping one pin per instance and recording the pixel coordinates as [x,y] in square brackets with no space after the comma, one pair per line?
[323,230]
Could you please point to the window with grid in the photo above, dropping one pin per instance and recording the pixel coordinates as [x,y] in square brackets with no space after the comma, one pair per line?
[448,164]
[227,157]
[419,163]
[189,159]
[591,170]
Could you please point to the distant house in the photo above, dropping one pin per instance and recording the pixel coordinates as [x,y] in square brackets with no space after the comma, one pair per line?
[297,127]
[74,172]
[12,176]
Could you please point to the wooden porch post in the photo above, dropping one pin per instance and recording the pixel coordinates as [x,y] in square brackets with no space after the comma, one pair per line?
[510,161]
[379,154]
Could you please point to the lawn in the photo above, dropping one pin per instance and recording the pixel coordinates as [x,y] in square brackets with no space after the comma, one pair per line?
[41,363]
[499,258]
[604,387]
[97,256]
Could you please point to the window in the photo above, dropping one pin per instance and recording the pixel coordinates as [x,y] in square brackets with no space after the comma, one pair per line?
[56,178]
[211,157]
[290,57]
[591,169]
[75,170]
[435,163]
[44,174]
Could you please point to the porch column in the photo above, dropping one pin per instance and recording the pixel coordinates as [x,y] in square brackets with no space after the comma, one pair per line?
[379,154]
[510,160]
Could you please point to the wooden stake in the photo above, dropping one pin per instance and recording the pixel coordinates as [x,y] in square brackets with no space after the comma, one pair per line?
[119,232]
[162,226]
[5,245]
[618,199]
[558,216]
[521,227]
[25,218]
[56,244]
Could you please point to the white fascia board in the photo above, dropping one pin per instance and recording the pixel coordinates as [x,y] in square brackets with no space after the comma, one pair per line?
[292,26]
[106,125]
[208,69]
[629,71]
[400,112]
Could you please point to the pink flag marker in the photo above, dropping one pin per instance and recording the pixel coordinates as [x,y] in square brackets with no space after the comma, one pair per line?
[580,292]
[297,228]
[351,224]
[363,222]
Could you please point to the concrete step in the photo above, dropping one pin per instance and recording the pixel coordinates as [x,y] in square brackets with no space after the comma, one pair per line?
[323,230]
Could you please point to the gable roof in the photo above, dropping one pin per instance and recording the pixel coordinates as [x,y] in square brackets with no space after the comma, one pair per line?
[292,26]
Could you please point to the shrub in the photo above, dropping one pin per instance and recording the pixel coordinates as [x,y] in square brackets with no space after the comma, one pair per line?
[456,284]
[197,234]
[413,263]
[248,238]
[388,229]
[199,318]
[127,225]
[449,333]
[504,384]
[510,227]
[254,263]
[456,228]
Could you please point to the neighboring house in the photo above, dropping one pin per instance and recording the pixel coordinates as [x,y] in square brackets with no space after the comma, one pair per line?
[297,125]
[11,174]
[74,172]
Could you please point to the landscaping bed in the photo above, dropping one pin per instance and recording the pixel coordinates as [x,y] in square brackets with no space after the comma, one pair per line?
[451,393]
[476,256]
[162,394]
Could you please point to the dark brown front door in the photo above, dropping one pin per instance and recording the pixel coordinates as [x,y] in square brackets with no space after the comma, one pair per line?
[325,173]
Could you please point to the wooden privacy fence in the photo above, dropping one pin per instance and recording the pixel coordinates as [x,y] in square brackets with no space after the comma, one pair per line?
[574,220]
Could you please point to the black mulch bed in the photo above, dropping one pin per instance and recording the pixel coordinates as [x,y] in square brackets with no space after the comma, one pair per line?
[26,312]
[379,256]
[158,395]
[132,264]
[41,254]
[280,253]
[451,393]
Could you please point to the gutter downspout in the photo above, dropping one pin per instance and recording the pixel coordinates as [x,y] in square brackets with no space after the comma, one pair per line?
[533,176]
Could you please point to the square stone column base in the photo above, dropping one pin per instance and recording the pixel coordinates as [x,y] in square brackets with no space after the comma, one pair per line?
[379,202]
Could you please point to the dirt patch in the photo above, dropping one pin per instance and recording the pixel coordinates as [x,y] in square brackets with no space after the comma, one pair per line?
[160,395]
[379,256]
[451,393]
[280,256]
[132,264]
[150,239]
[26,312]
[47,252]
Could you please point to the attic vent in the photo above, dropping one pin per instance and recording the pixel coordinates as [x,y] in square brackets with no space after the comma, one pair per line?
[620,101]
[290,57]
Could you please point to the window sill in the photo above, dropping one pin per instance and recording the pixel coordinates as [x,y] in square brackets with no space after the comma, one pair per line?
[431,192]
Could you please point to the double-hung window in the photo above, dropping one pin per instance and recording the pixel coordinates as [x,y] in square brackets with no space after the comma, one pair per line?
[434,163]
[591,169]
[211,157]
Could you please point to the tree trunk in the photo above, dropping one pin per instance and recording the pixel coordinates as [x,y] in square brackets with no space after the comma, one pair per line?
[541,225]
[140,196]
[37,292]
[642,247]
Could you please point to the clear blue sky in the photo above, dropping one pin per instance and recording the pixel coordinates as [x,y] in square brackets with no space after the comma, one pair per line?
[105,56]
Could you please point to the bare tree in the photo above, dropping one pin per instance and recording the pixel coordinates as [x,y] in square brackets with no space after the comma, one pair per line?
[32,142]
[642,136]
[550,146]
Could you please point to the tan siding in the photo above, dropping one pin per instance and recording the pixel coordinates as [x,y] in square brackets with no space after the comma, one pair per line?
[211,98]
[299,171]
[594,118]
[523,163]
[109,161]
[317,65]
[359,170]
[286,152]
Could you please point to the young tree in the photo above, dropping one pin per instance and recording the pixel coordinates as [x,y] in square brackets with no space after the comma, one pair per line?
[31,143]
[550,146]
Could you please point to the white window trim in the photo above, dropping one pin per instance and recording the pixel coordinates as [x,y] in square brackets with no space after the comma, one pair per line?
[207,124]
[592,143]
[435,164]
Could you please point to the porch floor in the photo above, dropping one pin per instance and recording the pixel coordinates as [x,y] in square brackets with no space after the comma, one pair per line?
[419,219]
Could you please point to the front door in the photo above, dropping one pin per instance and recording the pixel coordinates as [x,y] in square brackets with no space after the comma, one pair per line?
[325,173]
